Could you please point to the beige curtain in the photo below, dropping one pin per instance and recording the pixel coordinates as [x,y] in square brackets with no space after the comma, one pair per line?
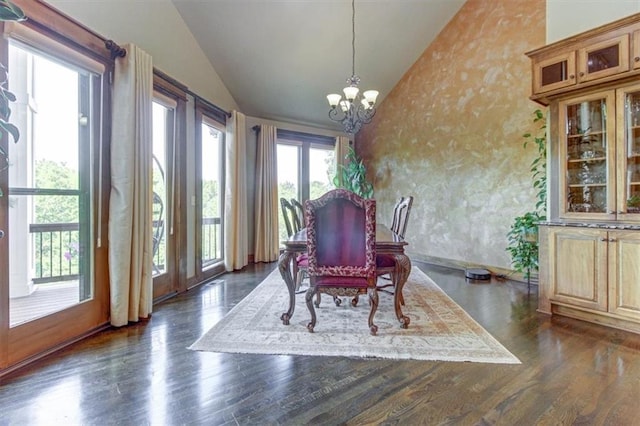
[266,205]
[235,206]
[341,151]
[130,234]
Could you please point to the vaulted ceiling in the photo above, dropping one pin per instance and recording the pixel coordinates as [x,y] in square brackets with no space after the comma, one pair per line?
[280,58]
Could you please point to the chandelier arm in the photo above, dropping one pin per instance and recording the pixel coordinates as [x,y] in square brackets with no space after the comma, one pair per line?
[336,114]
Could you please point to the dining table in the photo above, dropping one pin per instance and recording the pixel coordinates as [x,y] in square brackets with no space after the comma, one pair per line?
[387,243]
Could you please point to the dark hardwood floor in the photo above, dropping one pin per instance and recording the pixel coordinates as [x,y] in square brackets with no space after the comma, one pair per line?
[572,372]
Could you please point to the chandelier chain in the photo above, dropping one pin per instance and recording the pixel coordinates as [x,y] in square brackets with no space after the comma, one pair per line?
[353,37]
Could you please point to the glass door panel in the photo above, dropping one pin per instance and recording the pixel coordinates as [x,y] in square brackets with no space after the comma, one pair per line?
[289,158]
[50,250]
[587,169]
[212,191]
[629,191]
[322,168]
[163,245]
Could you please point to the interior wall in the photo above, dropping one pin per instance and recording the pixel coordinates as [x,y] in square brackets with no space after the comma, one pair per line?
[158,29]
[569,17]
[450,134]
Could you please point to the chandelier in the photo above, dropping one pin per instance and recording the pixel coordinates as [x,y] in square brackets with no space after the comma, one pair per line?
[354,110]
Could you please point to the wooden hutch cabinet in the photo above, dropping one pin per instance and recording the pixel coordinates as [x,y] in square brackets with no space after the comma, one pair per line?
[590,244]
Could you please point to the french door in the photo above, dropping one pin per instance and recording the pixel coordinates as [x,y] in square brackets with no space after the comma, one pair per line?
[164,165]
[53,285]
[209,200]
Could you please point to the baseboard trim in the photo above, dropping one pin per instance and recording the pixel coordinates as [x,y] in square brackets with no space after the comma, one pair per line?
[461,265]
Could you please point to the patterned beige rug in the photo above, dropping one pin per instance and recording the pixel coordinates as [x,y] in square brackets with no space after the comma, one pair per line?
[439,331]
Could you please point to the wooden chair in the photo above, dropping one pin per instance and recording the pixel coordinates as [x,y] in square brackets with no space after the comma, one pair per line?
[293,224]
[299,209]
[385,264]
[341,234]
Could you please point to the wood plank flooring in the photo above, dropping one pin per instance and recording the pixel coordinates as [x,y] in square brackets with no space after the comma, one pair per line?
[572,372]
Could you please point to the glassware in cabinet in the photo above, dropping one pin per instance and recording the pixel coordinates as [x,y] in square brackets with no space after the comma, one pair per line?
[629,157]
[586,180]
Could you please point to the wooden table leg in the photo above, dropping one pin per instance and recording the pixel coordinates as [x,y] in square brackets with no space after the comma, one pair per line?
[400,275]
[284,265]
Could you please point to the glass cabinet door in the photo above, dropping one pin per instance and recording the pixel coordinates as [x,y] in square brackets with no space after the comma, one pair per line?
[629,156]
[587,169]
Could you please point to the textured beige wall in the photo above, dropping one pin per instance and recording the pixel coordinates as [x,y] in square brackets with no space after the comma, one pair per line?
[450,134]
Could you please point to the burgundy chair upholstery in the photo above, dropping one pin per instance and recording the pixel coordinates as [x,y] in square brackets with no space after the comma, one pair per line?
[341,233]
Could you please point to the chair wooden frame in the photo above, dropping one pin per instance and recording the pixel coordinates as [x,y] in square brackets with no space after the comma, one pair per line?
[399,226]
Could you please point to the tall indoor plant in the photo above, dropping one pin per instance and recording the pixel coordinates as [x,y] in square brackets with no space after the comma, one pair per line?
[8,12]
[353,176]
[522,236]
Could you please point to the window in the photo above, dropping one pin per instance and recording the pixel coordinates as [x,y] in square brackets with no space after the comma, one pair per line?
[50,183]
[209,171]
[306,166]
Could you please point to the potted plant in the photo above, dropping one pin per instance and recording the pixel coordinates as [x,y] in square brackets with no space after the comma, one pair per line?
[523,234]
[353,176]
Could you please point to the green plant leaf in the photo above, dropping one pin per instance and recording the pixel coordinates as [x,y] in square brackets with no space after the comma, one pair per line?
[11,129]
[10,12]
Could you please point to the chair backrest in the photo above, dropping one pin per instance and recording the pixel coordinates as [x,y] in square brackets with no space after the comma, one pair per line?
[341,235]
[291,219]
[401,215]
[297,206]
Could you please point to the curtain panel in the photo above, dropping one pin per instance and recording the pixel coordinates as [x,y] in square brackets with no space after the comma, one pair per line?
[267,246]
[130,211]
[236,251]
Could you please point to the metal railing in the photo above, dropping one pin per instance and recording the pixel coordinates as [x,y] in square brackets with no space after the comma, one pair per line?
[211,231]
[56,249]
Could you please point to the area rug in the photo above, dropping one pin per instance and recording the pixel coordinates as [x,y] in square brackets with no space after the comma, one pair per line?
[440,330]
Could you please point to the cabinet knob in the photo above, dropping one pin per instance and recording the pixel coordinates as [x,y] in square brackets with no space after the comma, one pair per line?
[612,240]
[581,74]
[603,239]
[637,59]
[572,76]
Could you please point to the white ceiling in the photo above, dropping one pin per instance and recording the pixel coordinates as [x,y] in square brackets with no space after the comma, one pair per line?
[280,58]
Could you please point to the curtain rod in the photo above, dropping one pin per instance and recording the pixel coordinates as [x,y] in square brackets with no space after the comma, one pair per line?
[116,51]
[209,104]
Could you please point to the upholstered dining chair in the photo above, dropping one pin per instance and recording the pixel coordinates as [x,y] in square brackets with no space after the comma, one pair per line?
[292,224]
[341,234]
[385,264]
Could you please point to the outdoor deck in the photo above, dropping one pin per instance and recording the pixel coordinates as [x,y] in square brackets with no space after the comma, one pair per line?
[45,300]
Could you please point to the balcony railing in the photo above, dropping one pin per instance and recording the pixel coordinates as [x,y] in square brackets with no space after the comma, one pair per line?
[56,249]
[211,247]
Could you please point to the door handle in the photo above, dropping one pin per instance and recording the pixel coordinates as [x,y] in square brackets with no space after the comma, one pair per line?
[1,233]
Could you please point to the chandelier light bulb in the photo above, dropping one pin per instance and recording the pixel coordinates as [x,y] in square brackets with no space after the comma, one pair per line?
[334,99]
[371,96]
[350,92]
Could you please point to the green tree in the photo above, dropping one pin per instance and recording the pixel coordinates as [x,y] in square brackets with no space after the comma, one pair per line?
[56,208]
